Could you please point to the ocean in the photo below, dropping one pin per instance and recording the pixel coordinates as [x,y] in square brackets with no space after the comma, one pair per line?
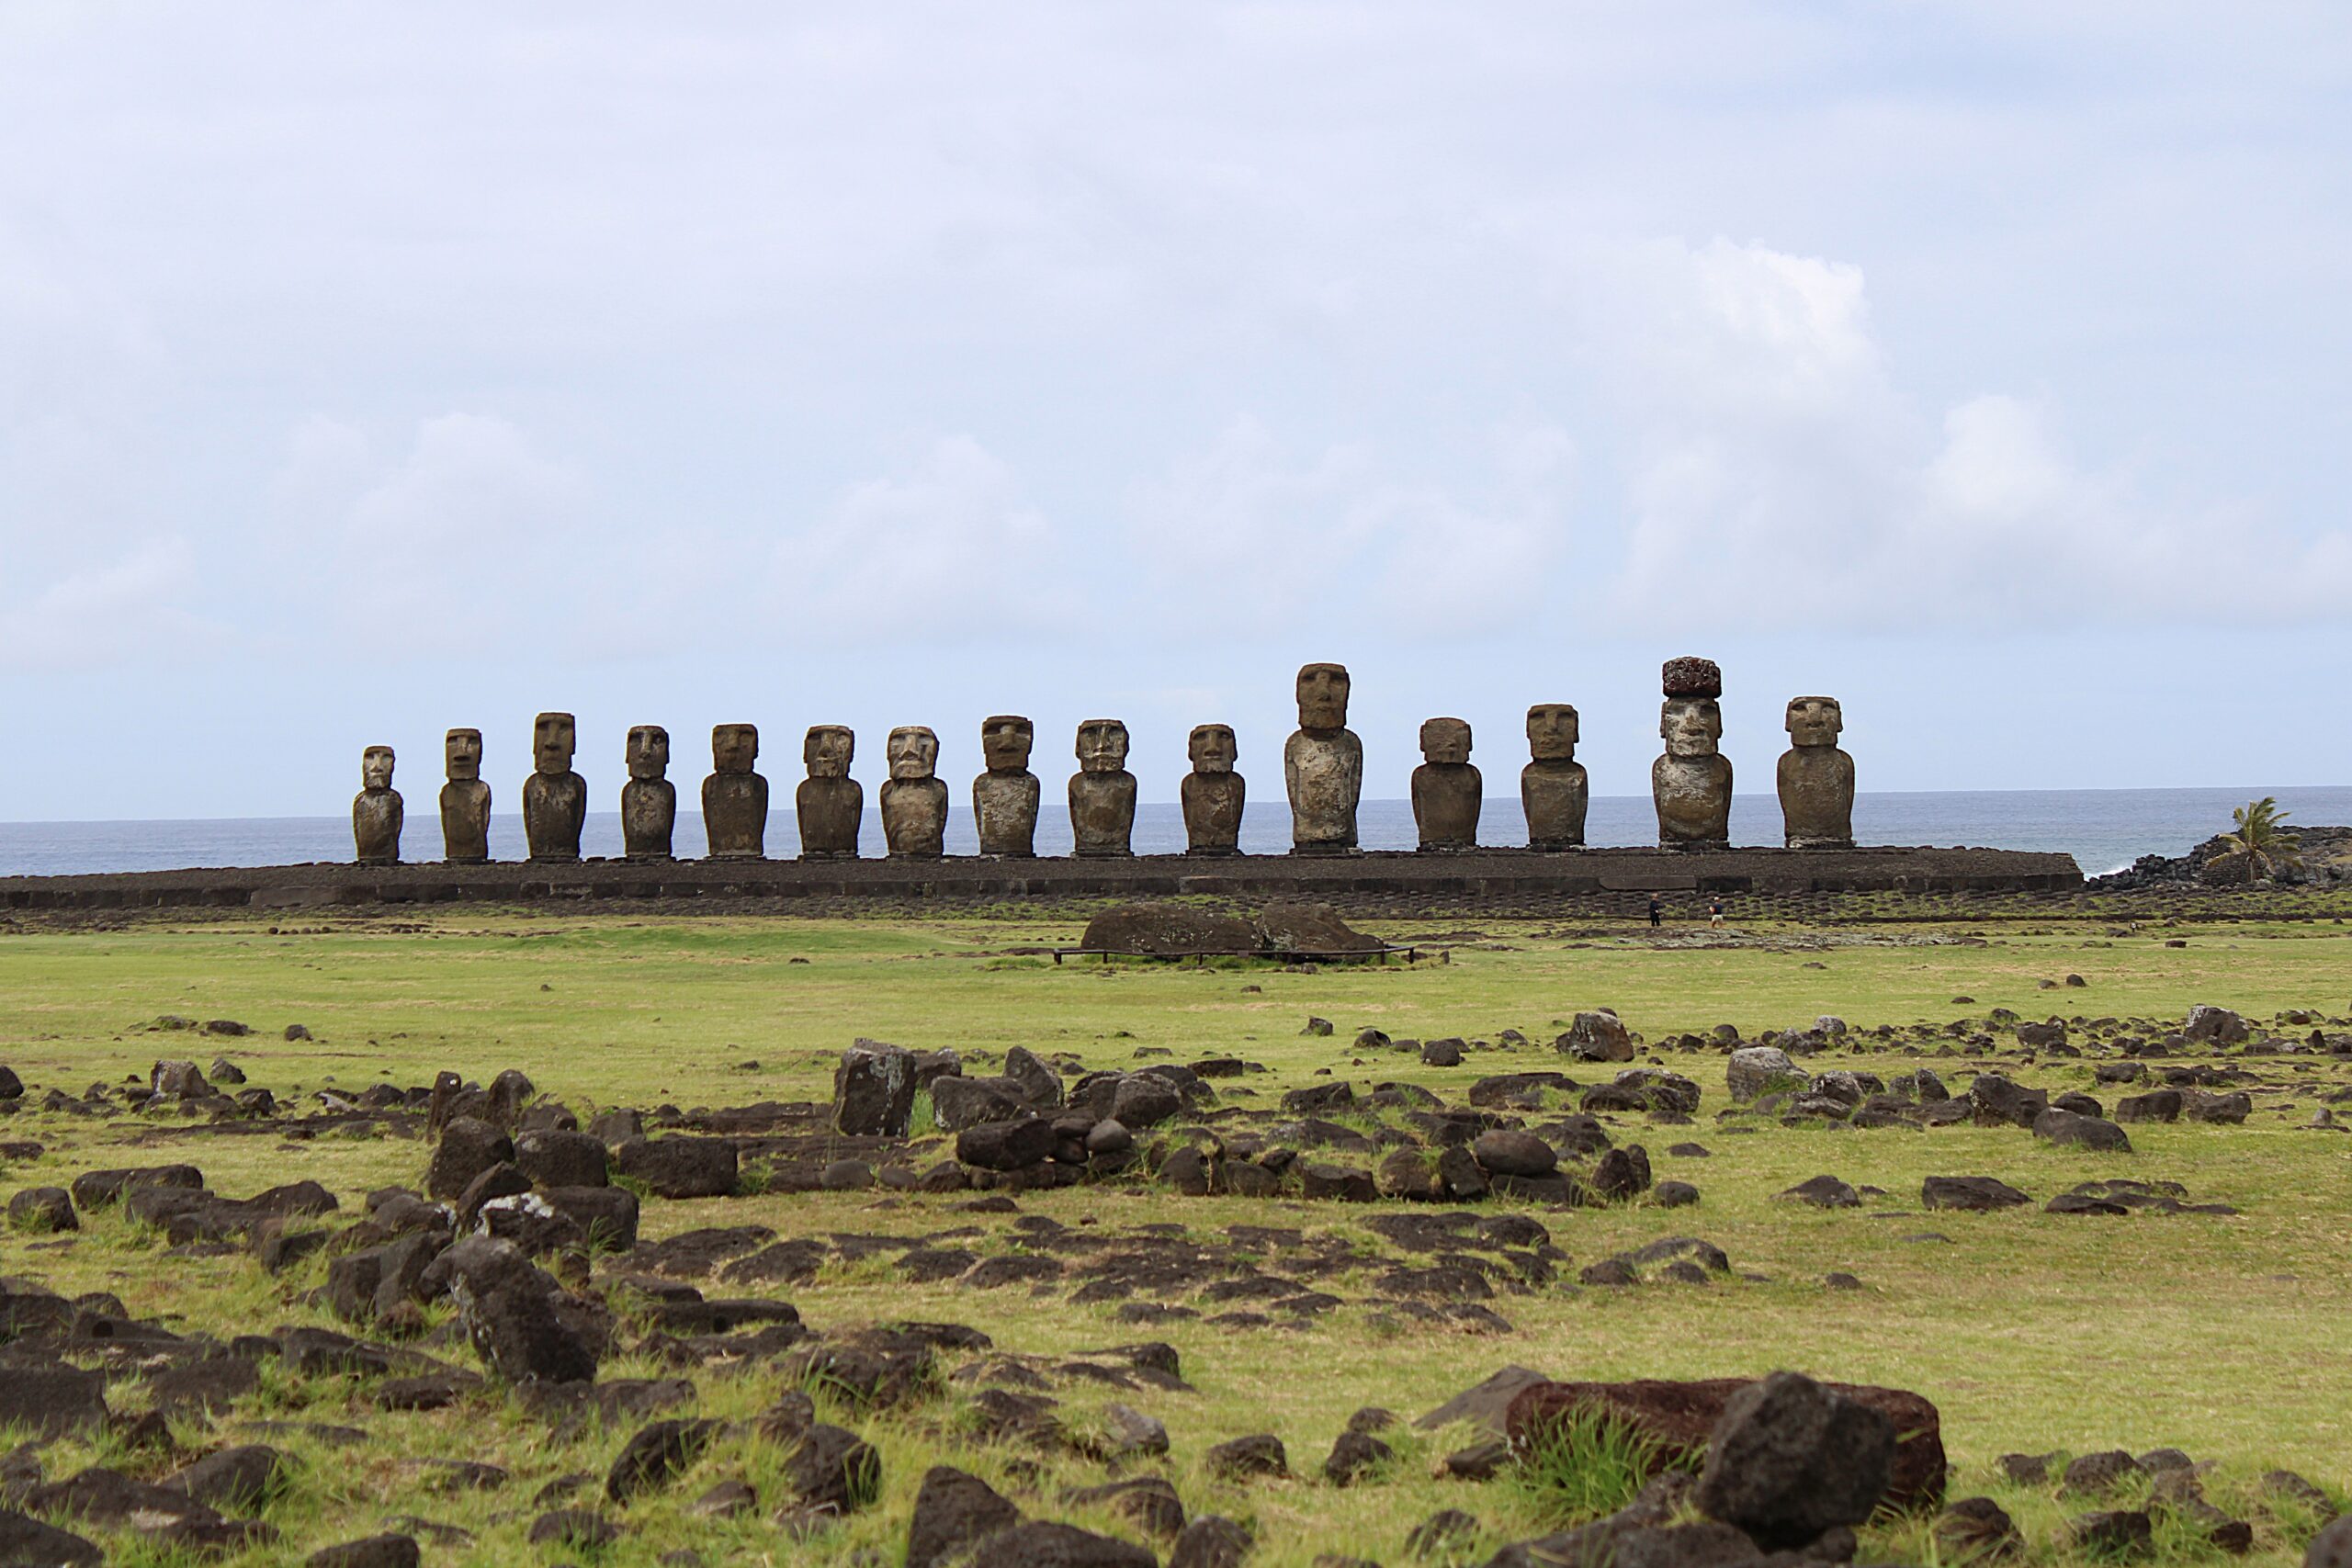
[2104,829]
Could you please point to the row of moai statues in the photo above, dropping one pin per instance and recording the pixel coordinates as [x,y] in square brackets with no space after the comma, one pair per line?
[1322,771]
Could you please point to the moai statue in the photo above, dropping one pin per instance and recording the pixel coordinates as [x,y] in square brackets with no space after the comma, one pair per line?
[464,801]
[649,801]
[1552,788]
[734,798]
[1004,799]
[1213,794]
[831,804]
[1691,783]
[555,799]
[1323,766]
[1447,791]
[1816,778]
[1102,793]
[914,803]
[377,811]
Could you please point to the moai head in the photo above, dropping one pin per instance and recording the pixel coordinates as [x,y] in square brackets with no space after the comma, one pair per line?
[913,752]
[553,738]
[376,768]
[462,749]
[1101,745]
[1691,727]
[1323,696]
[649,751]
[1814,721]
[734,747]
[827,750]
[1005,741]
[1552,732]
[1212,749]
[1445,740]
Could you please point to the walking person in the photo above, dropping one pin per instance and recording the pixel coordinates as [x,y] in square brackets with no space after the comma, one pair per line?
[1714,911]
[1657,912]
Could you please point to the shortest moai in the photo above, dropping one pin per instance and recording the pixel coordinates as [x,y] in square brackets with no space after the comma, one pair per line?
[377,811]
[649,801]
[735,798]
[914,801]
[1005,798]
[1102,793]
[1213,794]
[1447,791]
[555,799]
[830,803]
[1816,778]
[464,801]
[1691,781]
[1553,789]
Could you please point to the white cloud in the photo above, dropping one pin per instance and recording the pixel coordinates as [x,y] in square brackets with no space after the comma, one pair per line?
[127,609]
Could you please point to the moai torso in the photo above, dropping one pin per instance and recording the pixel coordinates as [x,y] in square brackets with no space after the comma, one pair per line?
[913,800]
[1691,784]
[734,797]
[1005,798]
[464,801]
[830,803]
[1447,791]
[1102,793]
[1816,778]
[555,799]
[649,801]
[1323,766]
[377,812]
[1213,794]
[1553,789]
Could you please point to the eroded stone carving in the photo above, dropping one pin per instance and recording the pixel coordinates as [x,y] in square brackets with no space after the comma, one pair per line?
[1447,791]
[1213,794]
[734,797]
[914,802]
[831,804]
[649,801]
[1816,778]
[465,800]
[1691,783]
[1102,793]
[555,799]
[1553,789]
[1323,766]
[377,811]
[1004,799]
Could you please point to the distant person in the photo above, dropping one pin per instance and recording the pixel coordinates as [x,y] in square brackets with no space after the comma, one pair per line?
[1657,912]
[1714,911]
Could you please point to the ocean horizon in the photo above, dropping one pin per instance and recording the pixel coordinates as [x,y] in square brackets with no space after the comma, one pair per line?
[2104,829]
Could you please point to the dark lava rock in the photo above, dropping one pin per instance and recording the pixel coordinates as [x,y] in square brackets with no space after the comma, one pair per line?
[1980,1194]
[1006,1146]
[1243,1457]
[560,1159]
[1507,1152]
[1996,1101]
[1353,1455]
[1824,1192]
[583,1529]
[518,1336]
[1209,1541]
[1791,1458]
[833,1471]
[873,1090]
[468,1147]
[680,1168]
[1038,1544]
[952,1511]
[374,1551]
[2332,1548]
[53,1401]
[36,1545]
[1621,1174]
[1976,1527]
[1337,1183]
[1674,1195]
[2157,1105]
[1165,931]
[1147,1502]
[657,1455]
[2112,1533]
[43,1211]
[1597,1037]
[2066,1127]
[234,1478]
[2102,1472]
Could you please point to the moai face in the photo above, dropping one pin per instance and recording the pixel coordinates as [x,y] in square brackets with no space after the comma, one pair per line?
[1101,745]
[376,768]
[1690,725]
[462,749]
[552,736]
[1552,732]
[913,752]
[649,751]
[1005,742]
[1323,696]
[827,750]
[1212,749]
[1445,740]
[1814,721]
[734,747]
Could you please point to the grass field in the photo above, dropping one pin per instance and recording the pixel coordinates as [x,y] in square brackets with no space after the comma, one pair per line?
[2228,1337]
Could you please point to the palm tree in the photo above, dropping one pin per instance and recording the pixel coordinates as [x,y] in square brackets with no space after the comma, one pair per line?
[2260,841]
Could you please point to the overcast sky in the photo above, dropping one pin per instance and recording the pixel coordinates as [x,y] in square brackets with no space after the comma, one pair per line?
[367,370]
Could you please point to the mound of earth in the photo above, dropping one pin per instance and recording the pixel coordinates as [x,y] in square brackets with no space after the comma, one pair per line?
[1184,931]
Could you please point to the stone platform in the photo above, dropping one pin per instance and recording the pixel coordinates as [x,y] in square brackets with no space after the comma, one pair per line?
[1514,874]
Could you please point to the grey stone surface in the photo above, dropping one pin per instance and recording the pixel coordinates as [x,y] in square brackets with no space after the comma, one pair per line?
[1323,764]
[1691,781]
[1817,778]
[649,801]
[1447,790]
[464,801]
[555,799]
[1102,793]
[830,803]
[377,811]
[735,798]
[1553,789]
[914,803]
[1004,798]
[1213,794]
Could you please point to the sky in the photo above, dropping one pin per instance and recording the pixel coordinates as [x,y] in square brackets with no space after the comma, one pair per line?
[366,371]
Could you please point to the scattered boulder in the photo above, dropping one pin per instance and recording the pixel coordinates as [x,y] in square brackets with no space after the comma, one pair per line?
[952,1511]
[1979,1194]
[1597,1036]
[1791,1458]
[1756,1070]
[2066,1127]
[680,1168]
